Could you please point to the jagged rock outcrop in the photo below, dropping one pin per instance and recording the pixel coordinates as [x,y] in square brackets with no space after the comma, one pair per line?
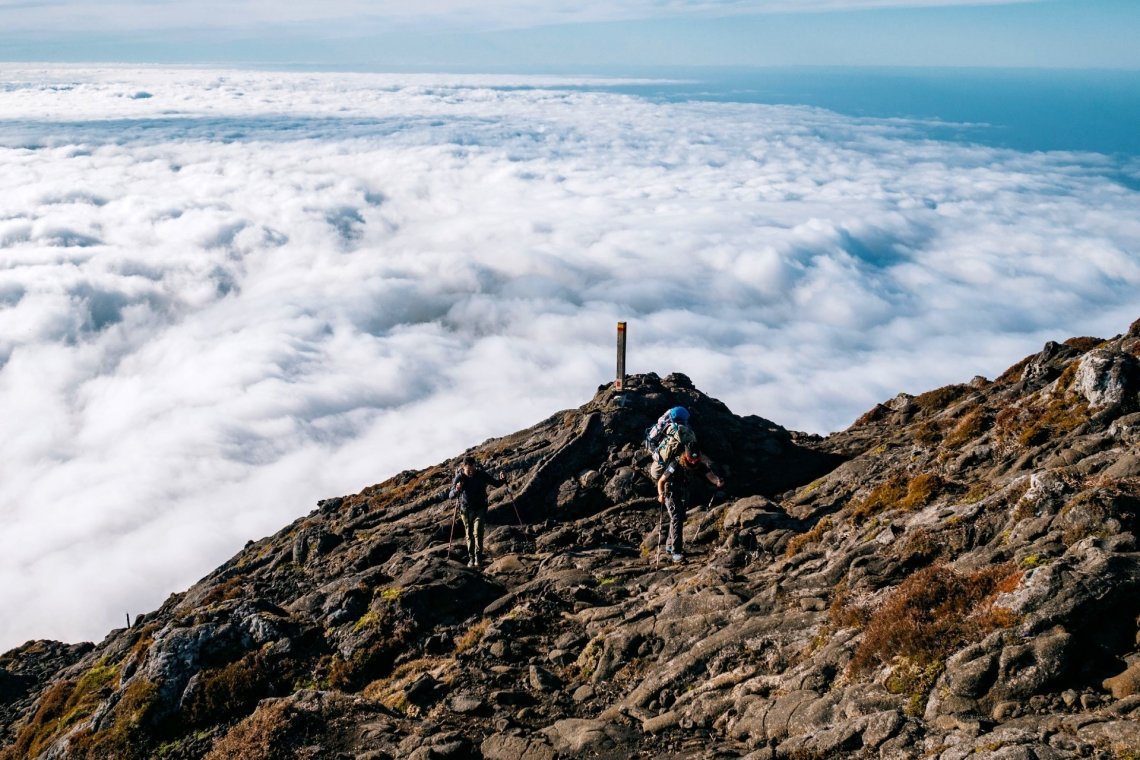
[956,575]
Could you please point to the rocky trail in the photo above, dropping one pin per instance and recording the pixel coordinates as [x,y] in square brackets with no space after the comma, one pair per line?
[954,576]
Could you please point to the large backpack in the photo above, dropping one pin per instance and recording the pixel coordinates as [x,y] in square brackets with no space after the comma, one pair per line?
[656,434]
[671,442]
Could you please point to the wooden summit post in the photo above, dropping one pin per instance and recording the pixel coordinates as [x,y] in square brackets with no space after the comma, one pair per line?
[620,356]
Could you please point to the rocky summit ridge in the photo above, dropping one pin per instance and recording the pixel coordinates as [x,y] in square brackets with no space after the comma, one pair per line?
[954,576]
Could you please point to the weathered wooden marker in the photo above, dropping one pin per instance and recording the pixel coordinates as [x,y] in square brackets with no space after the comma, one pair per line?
[620,356]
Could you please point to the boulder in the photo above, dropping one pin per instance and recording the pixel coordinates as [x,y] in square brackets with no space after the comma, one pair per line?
[576,737]
[1026,669]
[507,747]
[1125,684]
[626,485]
[1107,378]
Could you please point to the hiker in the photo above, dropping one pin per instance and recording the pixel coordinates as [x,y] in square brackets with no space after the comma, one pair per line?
[673,490]
[668,438]
[470,488]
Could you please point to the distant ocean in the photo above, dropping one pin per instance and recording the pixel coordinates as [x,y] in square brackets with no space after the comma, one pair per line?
[1093,110]
[1022,109]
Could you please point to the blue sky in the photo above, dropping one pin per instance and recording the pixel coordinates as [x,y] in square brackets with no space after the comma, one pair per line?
[532,35]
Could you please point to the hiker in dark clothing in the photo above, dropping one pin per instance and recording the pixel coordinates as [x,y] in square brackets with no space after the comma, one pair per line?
[470,488]
[673,490]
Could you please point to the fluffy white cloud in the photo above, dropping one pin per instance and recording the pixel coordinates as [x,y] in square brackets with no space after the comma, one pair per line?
[224,295]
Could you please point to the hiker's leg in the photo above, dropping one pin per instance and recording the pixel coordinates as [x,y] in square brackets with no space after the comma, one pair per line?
[480,520]
[468,532]
[676,509]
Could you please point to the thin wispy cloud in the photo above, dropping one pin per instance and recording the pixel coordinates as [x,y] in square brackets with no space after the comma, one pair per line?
[224,295]
[349,15]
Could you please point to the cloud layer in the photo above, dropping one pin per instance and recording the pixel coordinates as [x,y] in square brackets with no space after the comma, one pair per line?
[224,295]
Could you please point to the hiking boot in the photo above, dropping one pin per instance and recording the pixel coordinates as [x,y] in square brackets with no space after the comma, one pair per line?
[478,562]
[678,557]
[668,548]
[472,563]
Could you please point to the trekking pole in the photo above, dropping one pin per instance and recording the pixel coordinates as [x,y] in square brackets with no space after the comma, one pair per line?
[660,525]
[451,533]
[514,505]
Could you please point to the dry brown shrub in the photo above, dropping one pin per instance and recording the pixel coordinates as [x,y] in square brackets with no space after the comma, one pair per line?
[1084,343]
[46,723]
[931,614]
[1009,421]
[228,691]
[392,690]
[939,398]
[875,414]
[472,636]
[125,738]
[920,490]
[1013,374]
[883,496]
[928,432]
[223,592]
[62,706]
[920,547]
[843,612]
[797,543]
[1059,417]
[264,735]
[967,429]
[1089,513]
[899,492]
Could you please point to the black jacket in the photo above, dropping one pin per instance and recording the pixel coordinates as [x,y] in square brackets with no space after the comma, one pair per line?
[472,490]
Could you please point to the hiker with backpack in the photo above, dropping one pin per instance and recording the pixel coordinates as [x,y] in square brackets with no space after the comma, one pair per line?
[668,438]
[469,489]
[674,488]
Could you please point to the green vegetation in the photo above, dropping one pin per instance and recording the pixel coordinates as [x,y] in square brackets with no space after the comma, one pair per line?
[588,659]
[123,740]
[63,705]
[369,619]
[914,680]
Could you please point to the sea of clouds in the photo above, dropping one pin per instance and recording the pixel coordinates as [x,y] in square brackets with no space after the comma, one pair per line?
[225,295]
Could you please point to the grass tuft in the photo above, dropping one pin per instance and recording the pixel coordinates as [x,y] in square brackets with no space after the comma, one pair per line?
[934,613]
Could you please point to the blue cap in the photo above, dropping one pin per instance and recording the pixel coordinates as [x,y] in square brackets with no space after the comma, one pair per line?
[679,414]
